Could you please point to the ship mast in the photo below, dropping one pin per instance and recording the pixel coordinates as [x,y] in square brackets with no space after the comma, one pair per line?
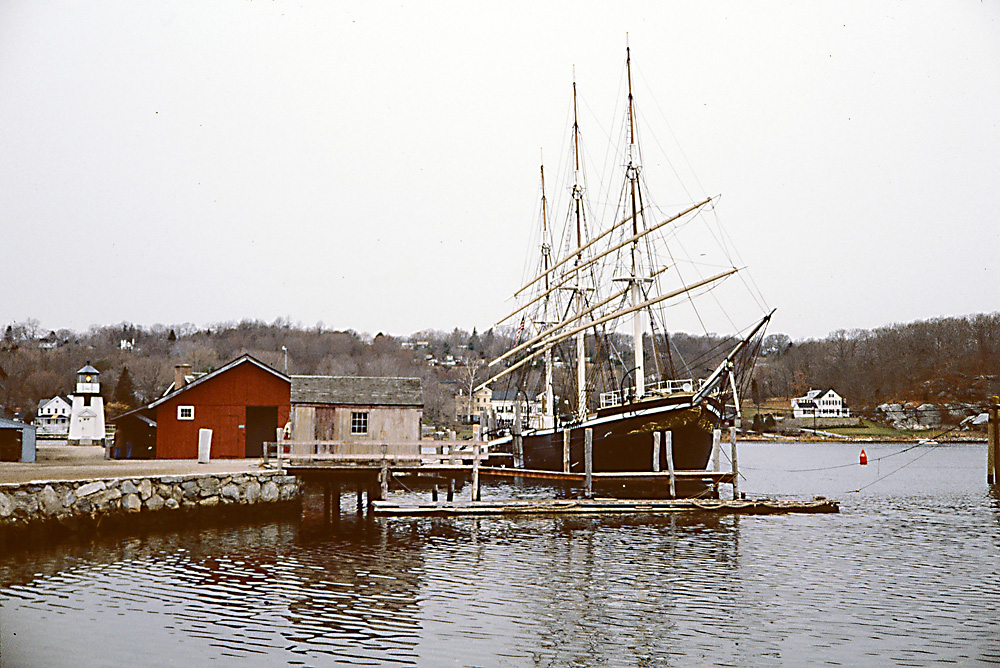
[632,174]
[581,360]
[548,409]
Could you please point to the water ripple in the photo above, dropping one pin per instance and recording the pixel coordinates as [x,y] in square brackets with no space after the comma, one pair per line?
[908,574]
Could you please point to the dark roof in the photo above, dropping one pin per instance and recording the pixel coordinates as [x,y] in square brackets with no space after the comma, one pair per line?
[13,424]
[356,391]
[141,413]
[239,360]
[504,395]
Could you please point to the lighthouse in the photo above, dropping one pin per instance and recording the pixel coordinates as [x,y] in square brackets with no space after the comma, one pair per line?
[86,420]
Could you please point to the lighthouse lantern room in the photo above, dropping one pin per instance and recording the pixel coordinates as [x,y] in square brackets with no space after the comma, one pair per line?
[86,421]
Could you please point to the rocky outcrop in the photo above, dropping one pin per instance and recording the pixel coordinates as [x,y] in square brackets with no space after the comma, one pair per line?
[927,415]
[22,504]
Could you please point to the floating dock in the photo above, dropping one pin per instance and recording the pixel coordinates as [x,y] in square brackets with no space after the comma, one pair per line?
[604,507]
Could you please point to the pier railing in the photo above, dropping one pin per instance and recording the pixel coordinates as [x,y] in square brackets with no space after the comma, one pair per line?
[453,452]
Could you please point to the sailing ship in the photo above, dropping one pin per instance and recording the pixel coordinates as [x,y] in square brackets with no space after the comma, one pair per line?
[570,311]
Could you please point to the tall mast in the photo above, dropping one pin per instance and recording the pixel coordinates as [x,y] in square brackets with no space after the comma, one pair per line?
[548,410]
[632,173]
[581,360]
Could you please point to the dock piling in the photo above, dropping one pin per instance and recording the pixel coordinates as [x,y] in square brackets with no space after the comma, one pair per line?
[993,443]
[656,451]
[518,443]
[716,458]
[475,470]
[669,436]
[383,477]
[565,450]
[588,462]
[451,490]
[736,470]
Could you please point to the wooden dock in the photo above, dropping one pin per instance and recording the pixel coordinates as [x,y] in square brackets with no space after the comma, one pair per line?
[373,467]
[603,507]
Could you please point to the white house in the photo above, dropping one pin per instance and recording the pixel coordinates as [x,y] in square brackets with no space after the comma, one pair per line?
[502,404]
[52,417]
[820,403]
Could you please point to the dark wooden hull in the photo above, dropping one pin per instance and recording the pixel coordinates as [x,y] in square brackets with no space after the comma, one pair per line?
[623,439]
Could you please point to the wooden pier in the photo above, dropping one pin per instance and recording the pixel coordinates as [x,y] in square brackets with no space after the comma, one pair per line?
[372,467]
[604,507]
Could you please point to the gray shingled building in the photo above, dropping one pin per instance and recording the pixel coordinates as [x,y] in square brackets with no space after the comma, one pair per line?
[358,410]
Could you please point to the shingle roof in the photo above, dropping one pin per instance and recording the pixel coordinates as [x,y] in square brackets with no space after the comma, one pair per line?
[353,390]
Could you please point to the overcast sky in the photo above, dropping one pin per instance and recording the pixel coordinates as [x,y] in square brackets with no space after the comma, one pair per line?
[374,166]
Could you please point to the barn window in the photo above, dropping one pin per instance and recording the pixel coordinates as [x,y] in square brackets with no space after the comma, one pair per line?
[185,412]
[359,423]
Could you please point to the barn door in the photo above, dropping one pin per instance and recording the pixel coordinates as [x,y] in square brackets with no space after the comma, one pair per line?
[262,423]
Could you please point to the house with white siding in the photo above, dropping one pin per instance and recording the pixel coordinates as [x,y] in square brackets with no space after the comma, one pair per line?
[820,403]
[52,417]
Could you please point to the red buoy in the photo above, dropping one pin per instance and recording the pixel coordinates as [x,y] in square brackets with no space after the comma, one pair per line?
[864,457]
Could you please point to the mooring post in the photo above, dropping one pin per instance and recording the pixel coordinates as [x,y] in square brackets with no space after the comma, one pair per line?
[279,445]
[716,459]
[588,462]
[656,452]
[669,437]
[383,477]
[566,451]
[451,489]
[516,430]
[434,493]
[475,470]
[361,499]
[736,468]
[335,502]
[993,443]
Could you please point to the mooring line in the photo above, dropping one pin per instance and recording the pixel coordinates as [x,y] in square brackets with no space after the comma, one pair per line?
[877,480]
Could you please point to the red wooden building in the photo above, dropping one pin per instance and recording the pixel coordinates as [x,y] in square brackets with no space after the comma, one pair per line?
[243,403]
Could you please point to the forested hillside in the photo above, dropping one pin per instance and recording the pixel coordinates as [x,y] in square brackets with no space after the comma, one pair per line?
[939,360]
[945,359]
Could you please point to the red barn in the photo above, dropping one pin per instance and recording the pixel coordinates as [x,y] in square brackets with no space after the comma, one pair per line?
[243,403]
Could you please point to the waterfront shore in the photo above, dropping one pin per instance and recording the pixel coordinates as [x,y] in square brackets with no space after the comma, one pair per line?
[73,489]
[57,462]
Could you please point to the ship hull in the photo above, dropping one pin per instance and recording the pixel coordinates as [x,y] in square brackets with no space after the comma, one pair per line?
[623,442]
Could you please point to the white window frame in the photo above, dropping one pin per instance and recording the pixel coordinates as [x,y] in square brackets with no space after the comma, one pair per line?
[359,423]
[184,414]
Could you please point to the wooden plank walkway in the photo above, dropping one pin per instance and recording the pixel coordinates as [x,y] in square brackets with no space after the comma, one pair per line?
[604,507]
[603,476]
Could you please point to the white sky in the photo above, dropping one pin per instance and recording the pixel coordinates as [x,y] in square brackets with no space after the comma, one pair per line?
[374,166]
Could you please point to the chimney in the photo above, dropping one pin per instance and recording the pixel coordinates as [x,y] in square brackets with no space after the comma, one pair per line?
[181,370]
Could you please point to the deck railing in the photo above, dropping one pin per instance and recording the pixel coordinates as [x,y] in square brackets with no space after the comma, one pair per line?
[663,387]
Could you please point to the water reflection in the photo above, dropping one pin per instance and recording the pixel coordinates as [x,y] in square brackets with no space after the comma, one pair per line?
[909,573]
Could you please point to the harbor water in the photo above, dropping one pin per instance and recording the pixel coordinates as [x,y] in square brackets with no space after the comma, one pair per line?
[907,574]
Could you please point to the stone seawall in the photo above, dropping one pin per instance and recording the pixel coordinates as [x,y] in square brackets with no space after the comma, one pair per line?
[76,503]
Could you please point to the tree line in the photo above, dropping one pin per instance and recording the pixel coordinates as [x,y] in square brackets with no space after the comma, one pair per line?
[942,360]
[938,360]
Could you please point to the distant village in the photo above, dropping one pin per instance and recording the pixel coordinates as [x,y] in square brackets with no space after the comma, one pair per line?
[145,392]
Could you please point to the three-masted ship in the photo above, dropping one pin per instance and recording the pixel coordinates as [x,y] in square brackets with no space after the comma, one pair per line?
[570,315]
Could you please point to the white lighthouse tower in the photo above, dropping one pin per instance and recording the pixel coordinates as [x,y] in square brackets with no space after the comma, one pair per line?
[86,420]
